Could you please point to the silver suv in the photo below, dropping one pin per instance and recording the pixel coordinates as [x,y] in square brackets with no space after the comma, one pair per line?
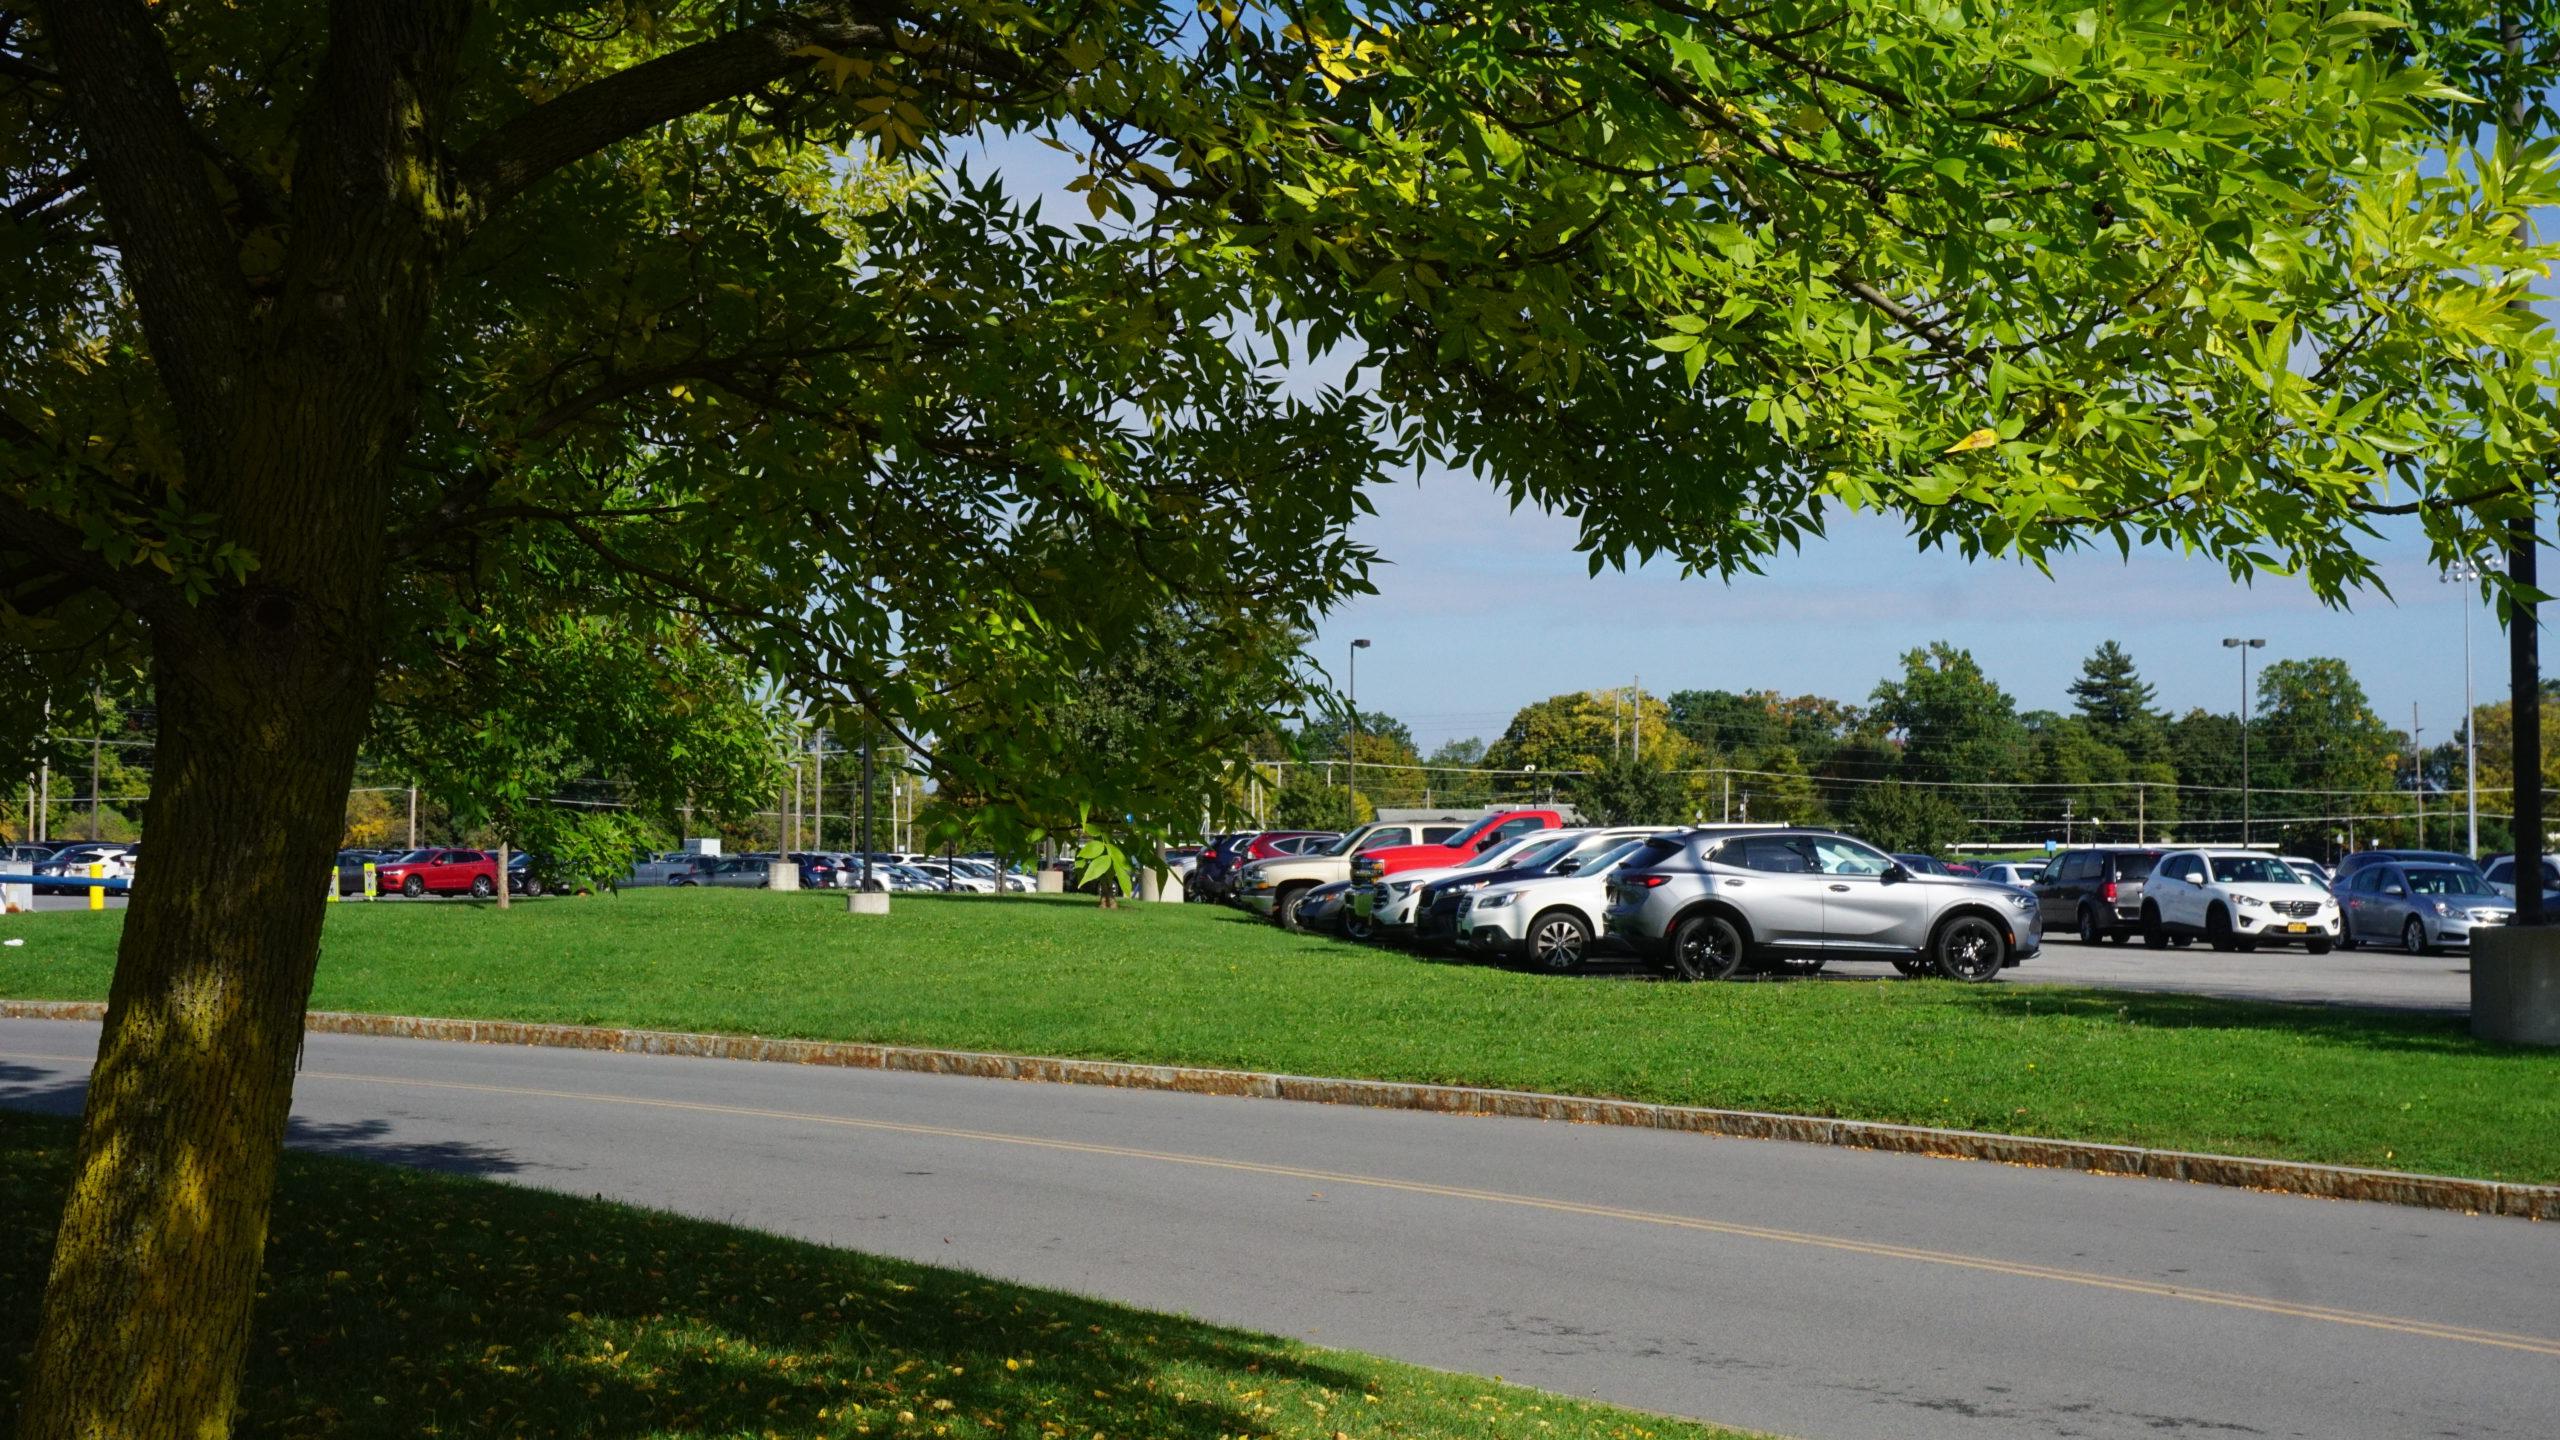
[1705,903]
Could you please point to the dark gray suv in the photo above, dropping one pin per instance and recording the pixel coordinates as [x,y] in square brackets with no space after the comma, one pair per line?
[1705,903]
[2096,893]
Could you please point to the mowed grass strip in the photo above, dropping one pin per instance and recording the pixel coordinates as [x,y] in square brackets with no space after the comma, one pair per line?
[1206,986]
[397,1303]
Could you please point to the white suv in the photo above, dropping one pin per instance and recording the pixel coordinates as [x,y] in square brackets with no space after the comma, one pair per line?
[2236,900]
[1547,920]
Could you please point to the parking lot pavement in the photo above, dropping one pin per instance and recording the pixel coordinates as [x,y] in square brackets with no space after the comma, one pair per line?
[74,902]
[2431,984]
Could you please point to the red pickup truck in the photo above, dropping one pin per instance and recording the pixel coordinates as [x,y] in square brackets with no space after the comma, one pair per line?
[1458,849]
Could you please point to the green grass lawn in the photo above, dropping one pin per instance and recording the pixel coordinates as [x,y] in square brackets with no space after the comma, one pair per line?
[1206,986]
[398,1303]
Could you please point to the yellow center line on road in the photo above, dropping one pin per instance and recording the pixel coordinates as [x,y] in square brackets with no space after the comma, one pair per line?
[2528,1344]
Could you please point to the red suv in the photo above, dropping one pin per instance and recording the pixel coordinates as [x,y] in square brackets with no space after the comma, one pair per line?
[440,872]
[1458,849]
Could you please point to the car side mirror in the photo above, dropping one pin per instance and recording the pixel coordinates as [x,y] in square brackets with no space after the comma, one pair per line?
[1567,867]
[1895,874]
[2393,890]
[1484,844]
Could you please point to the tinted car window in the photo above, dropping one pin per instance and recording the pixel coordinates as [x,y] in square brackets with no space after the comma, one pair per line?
[1847,857]
[2134,865]
[2445,881]
[2083,866]
[1392,835]
[1654,851]
[2252,870]
[1778,854]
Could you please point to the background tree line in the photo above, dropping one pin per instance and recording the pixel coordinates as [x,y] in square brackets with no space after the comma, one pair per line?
[1939,754]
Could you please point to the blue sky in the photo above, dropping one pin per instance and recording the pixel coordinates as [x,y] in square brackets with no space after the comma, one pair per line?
[1481,611]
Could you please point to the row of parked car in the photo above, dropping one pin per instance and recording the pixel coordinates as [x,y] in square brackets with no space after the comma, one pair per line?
[1705,902]
[1700,903]
[68,859]
[894,871]
[2418,901]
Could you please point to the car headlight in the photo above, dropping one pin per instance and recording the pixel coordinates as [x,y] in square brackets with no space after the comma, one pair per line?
[2442,908]
[2248,902]
[1258,882]
[2022,902]
[1399,887]
[1494,902]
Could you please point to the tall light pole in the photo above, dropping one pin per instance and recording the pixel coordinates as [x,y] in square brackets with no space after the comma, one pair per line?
[2465,572]
[1352,790]
[2244,647]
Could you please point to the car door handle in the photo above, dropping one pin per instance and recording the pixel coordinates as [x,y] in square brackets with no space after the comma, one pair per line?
[1840,887]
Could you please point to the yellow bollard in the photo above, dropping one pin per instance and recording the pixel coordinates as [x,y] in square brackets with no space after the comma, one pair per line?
[97,893]
[372,890]
[333,884]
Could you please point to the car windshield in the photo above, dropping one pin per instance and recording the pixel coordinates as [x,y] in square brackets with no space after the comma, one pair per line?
[2445,880]
[1347,843]
[2252,870]
[417,857]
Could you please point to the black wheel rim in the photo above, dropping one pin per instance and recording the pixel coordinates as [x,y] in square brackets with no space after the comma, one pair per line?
[1355,925]
[1972,951]
[2088,927]
[1558,943]
[2413,938]
[1707,952]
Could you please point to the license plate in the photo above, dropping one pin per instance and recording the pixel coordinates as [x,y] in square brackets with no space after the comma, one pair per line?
[2297,927]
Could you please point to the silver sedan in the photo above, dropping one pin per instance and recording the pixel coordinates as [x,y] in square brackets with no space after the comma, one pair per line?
[2419,908]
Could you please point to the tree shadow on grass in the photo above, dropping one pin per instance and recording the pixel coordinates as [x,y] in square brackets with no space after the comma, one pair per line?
[397,1301]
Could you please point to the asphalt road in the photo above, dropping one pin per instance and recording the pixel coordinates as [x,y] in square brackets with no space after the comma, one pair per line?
[2383,980]
[1799,1289]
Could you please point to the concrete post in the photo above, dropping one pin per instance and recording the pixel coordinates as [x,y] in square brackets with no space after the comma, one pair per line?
[1052,882]
[783,874]
[867,902]
[2515,984]
[1150,884]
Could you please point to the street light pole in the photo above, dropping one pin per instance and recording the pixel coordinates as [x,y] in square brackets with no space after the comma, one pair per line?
[2244,647]
[2465,572]
[1352,787]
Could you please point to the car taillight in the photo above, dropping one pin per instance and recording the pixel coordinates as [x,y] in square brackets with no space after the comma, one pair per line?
[2108,894]
[1650,882]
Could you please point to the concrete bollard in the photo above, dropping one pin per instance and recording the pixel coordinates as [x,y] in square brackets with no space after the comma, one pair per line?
[1150,884]
[867,902]
[17,898]
[782,875]
[1052,882]
[2515,985]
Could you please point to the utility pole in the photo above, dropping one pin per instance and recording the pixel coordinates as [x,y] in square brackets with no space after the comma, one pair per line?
[2141,814]
[97,722]
[818,790]
[1635,721]
[1352,789]
[2418,773]
[2244,647]
[2524,618]
[413,817]
[866,808]
[2467,574]
[44,776]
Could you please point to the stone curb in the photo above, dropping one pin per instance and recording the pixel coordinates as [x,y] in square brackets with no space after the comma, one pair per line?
[2334,1182]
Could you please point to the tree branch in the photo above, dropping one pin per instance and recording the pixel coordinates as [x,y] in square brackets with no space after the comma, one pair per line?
[563,131]
[168,225]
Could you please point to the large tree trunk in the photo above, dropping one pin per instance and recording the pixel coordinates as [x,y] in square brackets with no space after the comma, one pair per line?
[294,404]
[147,1310]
